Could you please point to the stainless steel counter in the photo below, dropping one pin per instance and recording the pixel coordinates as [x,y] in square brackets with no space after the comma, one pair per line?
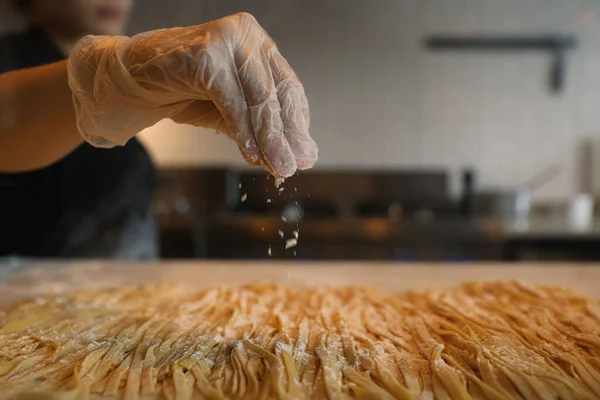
[550,227]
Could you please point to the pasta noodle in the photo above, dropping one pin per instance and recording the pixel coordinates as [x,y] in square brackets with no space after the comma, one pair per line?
[501,340]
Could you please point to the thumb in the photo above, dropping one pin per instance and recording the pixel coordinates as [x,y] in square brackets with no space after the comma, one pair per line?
[201,113]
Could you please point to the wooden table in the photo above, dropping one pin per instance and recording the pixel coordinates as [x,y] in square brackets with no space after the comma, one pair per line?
[31,279]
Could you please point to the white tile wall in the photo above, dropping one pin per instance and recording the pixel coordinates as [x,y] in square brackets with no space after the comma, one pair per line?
[379,99]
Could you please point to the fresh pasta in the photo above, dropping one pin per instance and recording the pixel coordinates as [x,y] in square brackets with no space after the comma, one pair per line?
[501,340]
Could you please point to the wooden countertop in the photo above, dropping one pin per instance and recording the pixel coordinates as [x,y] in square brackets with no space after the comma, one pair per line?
[18,280]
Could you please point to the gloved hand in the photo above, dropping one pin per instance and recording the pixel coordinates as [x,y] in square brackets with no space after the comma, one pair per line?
[227,75]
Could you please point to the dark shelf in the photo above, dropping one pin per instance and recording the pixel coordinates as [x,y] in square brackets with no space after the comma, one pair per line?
[556,45]
[495,43]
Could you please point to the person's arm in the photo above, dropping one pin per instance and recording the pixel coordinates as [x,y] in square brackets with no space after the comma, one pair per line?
[37,118]
[226,75]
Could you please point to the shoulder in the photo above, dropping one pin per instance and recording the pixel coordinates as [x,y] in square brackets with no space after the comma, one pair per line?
[11,41]
[12,46]
[26,49]
[12,35]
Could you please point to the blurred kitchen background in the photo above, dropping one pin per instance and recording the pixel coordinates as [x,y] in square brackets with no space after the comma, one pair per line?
[428,151]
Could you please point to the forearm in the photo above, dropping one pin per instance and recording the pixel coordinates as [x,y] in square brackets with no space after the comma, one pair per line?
[37,118]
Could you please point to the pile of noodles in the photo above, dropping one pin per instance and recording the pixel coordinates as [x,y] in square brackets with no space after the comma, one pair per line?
[476,341]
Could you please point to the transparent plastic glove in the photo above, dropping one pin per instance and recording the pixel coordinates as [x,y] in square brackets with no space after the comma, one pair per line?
[227,75]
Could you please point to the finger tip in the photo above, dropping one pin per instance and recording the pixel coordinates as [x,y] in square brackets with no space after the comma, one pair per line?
[307,159]
[280,158]
[306,164]
[285,169]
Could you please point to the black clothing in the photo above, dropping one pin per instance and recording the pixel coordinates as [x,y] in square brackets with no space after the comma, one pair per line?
[92,203]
